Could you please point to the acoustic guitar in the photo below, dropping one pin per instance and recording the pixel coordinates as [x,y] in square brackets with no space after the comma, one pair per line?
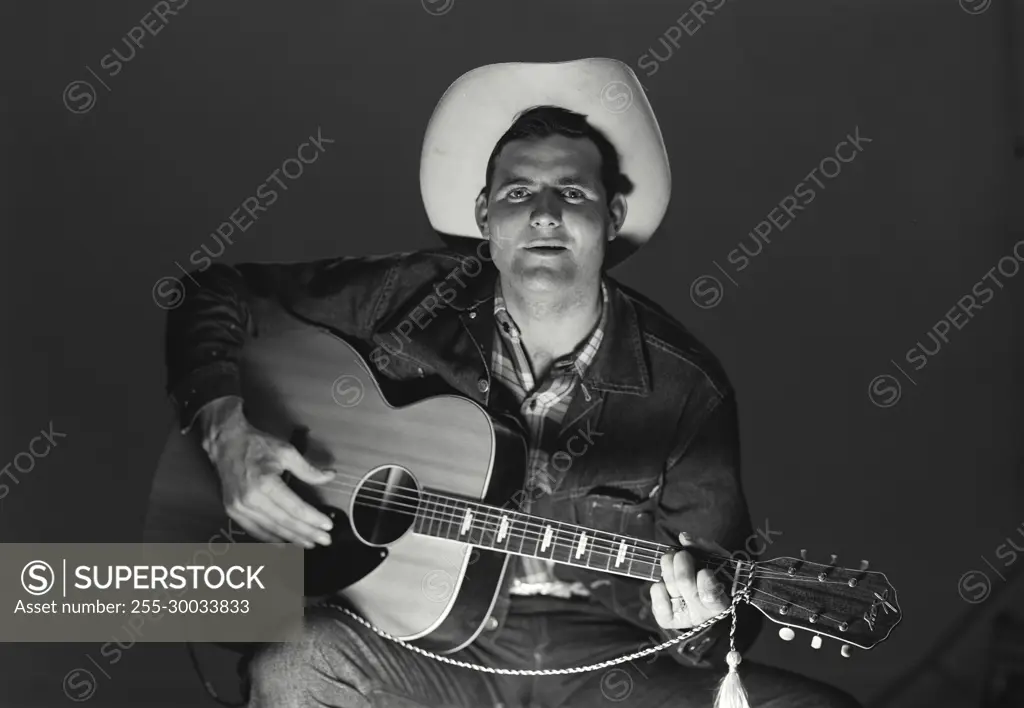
[420,506]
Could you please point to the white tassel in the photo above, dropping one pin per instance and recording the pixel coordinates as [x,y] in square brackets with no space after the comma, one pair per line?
[731,693]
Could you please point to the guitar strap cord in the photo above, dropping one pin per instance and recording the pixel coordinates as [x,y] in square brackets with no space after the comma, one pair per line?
[487,669]
[546,672]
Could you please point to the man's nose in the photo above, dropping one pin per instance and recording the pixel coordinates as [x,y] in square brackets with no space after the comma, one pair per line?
[547,214]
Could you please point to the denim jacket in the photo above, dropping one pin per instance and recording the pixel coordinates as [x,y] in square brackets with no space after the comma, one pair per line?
[655,450]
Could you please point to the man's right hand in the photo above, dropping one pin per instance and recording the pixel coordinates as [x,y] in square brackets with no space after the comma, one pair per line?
[250,463]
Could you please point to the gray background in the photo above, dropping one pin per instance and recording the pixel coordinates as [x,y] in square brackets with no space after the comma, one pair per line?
[98,206]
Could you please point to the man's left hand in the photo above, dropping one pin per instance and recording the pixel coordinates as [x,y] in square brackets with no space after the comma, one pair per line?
[702,596]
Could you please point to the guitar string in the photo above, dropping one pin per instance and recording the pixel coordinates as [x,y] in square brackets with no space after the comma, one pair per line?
[603,547]
[498,512]
[612,552]
[804,578]
[530,535]
[768,603]
[800,607]
[656,564]
[647,555]
[651,553]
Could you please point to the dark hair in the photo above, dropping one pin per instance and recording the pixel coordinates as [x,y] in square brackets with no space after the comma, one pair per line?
[545,121]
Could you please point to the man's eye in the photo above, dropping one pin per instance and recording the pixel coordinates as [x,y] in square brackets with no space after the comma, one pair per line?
[574,194]
[518,193]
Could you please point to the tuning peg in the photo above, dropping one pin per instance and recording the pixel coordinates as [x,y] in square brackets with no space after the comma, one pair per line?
[846,651]
[816,641]
[786,634]
[823,575]
[803,553]
[852,582]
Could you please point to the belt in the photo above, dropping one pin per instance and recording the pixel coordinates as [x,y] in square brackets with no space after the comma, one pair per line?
[556,588]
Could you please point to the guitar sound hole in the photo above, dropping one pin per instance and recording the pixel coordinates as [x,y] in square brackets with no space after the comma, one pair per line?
[384,505]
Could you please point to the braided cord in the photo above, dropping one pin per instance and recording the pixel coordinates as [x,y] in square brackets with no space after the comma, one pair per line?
[742,596]
[732,628]
[551,672]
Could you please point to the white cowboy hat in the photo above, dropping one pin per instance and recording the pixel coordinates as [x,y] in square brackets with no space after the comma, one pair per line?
[481,106]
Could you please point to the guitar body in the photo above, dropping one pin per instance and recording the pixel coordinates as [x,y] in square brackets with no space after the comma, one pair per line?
[307,386]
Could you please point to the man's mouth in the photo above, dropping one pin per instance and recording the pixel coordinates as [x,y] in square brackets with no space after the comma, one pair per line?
[546,248]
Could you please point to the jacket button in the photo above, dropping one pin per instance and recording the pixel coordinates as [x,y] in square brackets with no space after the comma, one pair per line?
[472,314]
[484,385]
[491,624]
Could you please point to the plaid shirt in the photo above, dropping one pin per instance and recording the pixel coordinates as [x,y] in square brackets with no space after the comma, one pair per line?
[542,406]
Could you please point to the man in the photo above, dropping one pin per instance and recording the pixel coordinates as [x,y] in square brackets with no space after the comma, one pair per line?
[631,424]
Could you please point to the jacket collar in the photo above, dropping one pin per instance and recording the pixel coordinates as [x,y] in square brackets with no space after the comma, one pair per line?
[620,364]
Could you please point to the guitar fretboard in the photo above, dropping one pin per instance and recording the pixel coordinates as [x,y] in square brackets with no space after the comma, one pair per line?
[522,534]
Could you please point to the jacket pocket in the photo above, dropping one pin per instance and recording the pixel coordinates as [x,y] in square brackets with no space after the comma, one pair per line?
[619,510]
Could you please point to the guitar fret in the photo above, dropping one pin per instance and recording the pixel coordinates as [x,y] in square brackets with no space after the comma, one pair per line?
[563,548]
[445,514]
[442,518]
[435,518]
[655,565]
[486,529]
[495,528]
[474,533]
[609,542]
[451,518]
[417,518]
[531,537]
[522,537]
[435,521]
[552,546]
[423,512]
[599,542]
[478,527]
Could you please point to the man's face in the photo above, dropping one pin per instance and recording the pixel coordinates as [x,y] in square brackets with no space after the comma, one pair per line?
[547,215]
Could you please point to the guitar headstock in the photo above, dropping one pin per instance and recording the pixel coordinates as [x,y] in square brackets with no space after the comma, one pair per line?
[857,607]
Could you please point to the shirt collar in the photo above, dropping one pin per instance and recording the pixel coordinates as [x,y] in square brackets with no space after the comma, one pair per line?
[581,357]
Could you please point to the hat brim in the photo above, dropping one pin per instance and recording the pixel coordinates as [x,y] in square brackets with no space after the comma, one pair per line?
[481,105]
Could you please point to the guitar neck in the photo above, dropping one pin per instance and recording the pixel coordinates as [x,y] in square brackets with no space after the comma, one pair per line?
[516,533]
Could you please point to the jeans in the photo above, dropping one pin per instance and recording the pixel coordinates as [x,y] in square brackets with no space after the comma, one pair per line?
[339,662]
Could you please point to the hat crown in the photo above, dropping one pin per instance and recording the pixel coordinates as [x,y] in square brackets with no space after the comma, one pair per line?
[482,104]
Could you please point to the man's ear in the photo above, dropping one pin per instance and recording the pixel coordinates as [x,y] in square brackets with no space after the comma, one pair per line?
[480,211]
[617,208]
